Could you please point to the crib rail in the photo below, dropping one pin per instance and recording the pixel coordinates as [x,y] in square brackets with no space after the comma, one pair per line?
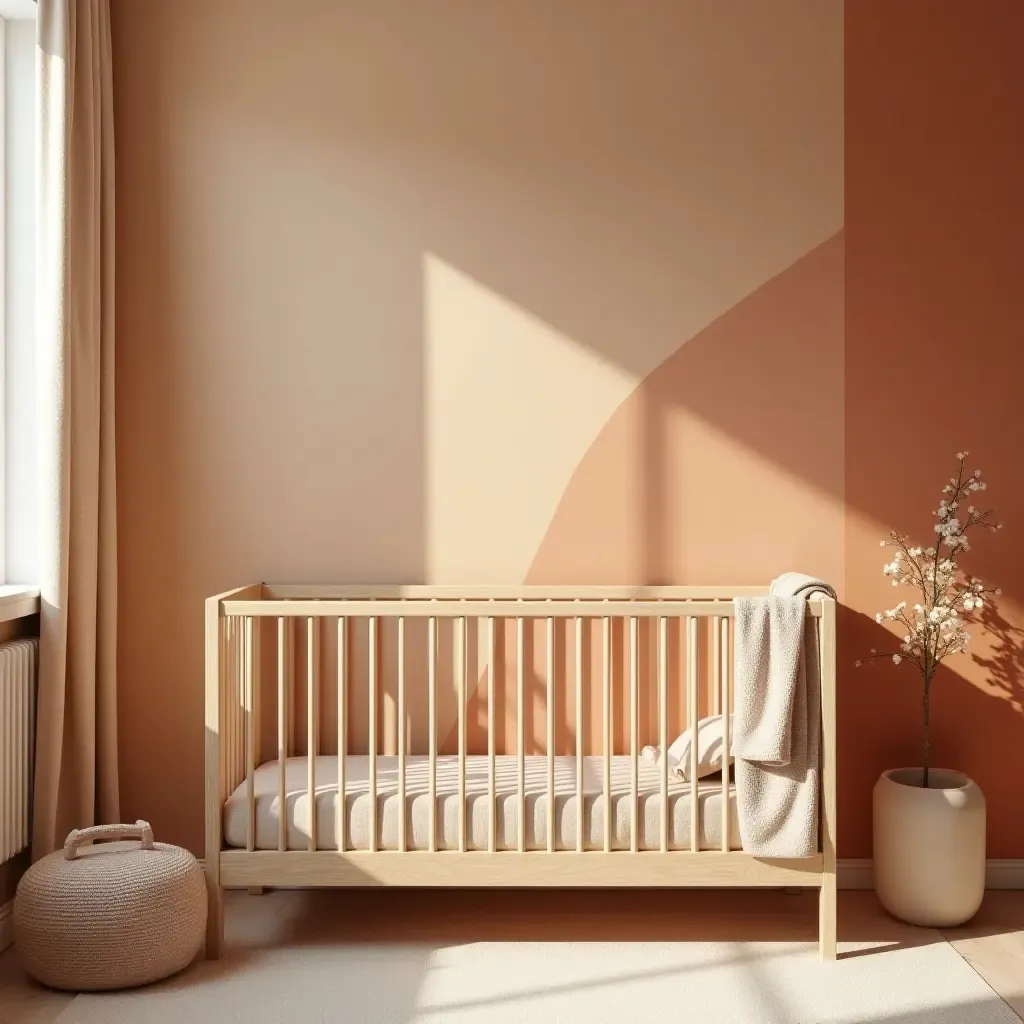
[486,607]
[630,659]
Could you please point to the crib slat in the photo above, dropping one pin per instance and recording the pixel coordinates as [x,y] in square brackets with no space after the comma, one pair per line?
[282,734]
[224,660]
[292,717]
[241,720]
[241,716]
[520,724]
[461,659]
[250,735]
[692,714]
[581,810]
[606,630]
[231,656]
[237,694]
[223,636]
[257,634]
[663,723]
[726,816]
[402,822]
[716,656]
[492,800]
[634,740]
[551,732]
[341,806]
[372,748]
[373,685]
[312,634]
[432,725]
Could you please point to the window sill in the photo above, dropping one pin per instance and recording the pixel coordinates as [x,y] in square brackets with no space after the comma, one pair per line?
[18,602]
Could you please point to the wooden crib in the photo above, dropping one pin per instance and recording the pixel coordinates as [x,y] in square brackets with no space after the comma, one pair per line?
[481,736]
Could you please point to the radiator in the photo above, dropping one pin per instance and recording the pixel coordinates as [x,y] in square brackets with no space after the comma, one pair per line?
[18,660]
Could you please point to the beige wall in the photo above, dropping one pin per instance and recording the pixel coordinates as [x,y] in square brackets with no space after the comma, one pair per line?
[464,292]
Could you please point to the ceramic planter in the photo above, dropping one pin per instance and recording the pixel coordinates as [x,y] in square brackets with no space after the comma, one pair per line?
[929,846]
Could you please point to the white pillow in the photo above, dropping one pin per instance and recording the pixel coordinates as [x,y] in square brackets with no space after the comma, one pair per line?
[709,749]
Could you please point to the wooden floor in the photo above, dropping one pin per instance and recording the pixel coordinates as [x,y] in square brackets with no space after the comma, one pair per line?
[993,943]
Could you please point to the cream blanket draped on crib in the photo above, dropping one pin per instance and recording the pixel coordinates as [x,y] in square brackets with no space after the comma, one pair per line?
[777,719]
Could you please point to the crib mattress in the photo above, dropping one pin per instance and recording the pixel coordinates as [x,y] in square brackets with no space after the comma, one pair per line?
[417,805]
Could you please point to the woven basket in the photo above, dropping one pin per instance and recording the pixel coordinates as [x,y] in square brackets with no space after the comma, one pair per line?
[112,915]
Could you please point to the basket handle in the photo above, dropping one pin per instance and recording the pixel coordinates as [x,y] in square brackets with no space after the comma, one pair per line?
[140,830]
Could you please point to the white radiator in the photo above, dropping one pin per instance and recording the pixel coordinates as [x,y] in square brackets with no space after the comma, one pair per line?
[18,660]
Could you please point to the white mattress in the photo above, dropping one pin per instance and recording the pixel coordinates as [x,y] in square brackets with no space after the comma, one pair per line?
[417,805]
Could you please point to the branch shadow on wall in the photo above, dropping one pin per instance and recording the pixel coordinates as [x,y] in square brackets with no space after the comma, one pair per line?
[884,702]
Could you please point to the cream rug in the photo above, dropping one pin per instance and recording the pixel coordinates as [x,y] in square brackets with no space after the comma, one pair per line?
[286,964]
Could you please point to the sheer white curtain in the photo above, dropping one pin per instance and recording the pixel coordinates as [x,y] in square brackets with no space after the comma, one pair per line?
[76,751]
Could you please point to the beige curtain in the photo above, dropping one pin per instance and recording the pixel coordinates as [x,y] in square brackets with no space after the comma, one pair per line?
[76,749]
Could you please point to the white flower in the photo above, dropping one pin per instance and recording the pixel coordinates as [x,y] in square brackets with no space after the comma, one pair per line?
[896,659]
[962,455]
[858,663]
[997,591]
[883,543]
[970,510]
[977,474]
[878,617]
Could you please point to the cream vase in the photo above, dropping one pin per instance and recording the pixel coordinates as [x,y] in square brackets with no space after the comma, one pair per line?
[929,846]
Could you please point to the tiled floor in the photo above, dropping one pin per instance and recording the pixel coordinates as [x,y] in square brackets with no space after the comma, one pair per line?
[993,943]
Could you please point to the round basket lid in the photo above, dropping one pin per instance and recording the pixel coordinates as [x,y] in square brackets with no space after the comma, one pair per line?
[111,868]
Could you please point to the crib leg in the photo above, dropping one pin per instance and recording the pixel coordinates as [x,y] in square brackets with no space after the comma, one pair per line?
[255,890]
[827,916]
[215,923]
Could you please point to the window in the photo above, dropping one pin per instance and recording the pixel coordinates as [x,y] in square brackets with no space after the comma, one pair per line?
[17,290]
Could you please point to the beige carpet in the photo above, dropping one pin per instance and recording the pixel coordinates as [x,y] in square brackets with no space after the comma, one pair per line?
[293,957]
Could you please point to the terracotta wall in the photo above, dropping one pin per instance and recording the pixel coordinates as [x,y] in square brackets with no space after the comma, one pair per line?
[934,365]
[506,293]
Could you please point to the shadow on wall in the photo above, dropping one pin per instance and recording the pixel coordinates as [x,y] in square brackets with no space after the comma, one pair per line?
[1003,663]
[881,704]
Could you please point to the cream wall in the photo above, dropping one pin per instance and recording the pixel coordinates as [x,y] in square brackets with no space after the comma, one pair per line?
[394,279]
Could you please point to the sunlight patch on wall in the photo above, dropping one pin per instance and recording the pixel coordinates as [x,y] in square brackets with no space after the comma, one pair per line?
[512,405]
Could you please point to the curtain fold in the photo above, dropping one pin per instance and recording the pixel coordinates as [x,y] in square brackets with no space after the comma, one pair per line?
[76,781]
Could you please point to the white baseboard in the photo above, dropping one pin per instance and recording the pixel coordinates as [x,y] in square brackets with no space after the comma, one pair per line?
[858,874]
[999,874]
[1004,874]
[6,925]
